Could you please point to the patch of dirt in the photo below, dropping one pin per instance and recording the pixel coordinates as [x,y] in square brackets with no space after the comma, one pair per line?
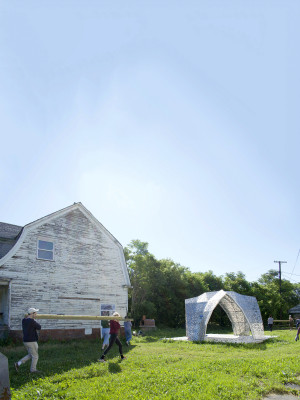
[285,396]
[280,397]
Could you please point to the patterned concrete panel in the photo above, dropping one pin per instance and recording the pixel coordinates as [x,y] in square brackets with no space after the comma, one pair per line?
[243,312]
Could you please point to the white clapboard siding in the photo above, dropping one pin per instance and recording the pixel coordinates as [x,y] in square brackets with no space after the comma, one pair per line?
[88,270]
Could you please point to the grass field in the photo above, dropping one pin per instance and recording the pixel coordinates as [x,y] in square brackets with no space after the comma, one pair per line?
[157,368]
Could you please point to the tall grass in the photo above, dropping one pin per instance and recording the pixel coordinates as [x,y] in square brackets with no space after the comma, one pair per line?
[158,368]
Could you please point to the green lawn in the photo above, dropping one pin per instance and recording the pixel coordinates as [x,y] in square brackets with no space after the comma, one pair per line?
[158,369]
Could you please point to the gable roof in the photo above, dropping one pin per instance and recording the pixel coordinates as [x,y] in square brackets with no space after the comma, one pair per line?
[22,232]
[295,310]
[9,235]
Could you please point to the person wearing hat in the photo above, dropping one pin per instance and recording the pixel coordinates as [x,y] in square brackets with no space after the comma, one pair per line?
[30,339]
[114,329]
[291,322]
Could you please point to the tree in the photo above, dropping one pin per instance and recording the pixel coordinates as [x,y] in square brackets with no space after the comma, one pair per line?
[211,281]
[160,288]
[135,247]
[173,291]
[266,291]
[237,282]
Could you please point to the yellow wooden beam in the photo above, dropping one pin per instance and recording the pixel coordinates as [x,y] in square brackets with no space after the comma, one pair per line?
[80,317]
[281,320]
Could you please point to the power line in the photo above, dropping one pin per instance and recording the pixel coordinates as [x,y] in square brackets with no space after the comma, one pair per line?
[291,279]
[288,273]
[295,262]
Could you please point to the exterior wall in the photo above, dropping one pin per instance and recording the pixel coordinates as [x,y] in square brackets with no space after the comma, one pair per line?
[86,271]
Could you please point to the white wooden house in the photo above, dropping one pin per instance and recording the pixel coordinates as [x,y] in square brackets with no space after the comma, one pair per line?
[64,263]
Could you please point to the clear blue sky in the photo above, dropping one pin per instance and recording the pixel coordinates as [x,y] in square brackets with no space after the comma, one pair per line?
[173,122]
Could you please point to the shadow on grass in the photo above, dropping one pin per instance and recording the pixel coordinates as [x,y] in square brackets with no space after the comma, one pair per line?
[151,339]
[147,339]
[59,358]
[254,346]
[114,368]
[159,334]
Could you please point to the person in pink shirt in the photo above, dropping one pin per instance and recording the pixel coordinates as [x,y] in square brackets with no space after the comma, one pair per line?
[114,329]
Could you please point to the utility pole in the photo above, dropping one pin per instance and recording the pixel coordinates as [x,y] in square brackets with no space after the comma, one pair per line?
[279,276]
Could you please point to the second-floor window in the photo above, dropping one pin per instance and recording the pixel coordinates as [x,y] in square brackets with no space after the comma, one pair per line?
[45,250]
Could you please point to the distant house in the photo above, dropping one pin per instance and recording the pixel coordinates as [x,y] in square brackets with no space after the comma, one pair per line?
[295,311]
[64,263]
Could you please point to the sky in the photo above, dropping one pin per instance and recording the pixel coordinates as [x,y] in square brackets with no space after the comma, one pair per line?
[173,122]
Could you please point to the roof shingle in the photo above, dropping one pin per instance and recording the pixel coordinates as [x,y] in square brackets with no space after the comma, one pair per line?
[9,235]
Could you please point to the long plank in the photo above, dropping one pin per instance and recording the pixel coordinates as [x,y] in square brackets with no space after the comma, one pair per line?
[80,317]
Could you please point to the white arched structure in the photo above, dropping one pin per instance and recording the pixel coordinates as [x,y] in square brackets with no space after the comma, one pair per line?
[243,312]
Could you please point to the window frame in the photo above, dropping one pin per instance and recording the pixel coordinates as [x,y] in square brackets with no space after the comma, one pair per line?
[41,249]
[110,311]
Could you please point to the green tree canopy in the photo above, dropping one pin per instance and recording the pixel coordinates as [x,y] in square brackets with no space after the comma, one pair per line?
[271,302]
[237,282]
[160,288]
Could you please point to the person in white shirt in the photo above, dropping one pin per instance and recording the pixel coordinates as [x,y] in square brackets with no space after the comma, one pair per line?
[270,323]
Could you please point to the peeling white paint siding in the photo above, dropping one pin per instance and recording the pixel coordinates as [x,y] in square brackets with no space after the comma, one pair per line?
[87,270]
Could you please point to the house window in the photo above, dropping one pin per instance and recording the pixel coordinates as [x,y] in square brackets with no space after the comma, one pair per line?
[107,309]
[45,250]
